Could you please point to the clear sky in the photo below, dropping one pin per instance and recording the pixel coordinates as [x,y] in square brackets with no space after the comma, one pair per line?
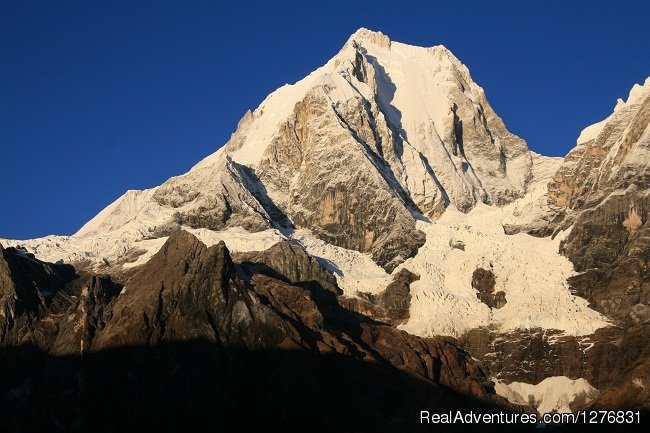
[98,97]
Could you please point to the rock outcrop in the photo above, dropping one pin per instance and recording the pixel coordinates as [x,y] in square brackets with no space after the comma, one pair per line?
[50,306]
[390,305]
[288,262]
[603,189]
[483,281]
[397,294]
[610,155]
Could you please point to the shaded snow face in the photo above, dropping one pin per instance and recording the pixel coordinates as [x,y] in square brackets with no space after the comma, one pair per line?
[553,394]
[127,252]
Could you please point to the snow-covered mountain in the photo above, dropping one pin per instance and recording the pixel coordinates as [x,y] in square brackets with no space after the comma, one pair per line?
[388,161]
[610,155]
[383,135]
[354,162]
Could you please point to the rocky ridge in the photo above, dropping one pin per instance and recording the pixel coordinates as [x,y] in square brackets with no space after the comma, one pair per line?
[603,189]
[598,203]
[189,293]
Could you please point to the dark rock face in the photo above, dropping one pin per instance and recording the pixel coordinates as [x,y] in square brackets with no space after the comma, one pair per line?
[186,327]
[186,290]
[610,244]
[484,281]
[50,306]
[389,306]
[195,386]
[290,263]
[614,359]
[398,292]
[499,300]
[614,352]
[527,355]
[630,388]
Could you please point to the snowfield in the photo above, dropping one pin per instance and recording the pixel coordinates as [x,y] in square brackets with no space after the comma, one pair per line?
[107,249]
[529,270]
[553,394]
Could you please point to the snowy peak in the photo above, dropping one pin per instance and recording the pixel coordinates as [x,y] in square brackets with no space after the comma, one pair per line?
[382,135]
[410,74]
[611,154]
[369,36]
[373,40]
[440,117]
[637,94]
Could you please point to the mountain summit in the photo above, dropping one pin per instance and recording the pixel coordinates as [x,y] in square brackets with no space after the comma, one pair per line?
[381,135]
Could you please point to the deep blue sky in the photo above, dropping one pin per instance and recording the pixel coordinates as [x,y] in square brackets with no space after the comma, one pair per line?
[101,97]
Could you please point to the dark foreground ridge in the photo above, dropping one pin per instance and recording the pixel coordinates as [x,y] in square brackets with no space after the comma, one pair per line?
[193,341]
[199,386]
